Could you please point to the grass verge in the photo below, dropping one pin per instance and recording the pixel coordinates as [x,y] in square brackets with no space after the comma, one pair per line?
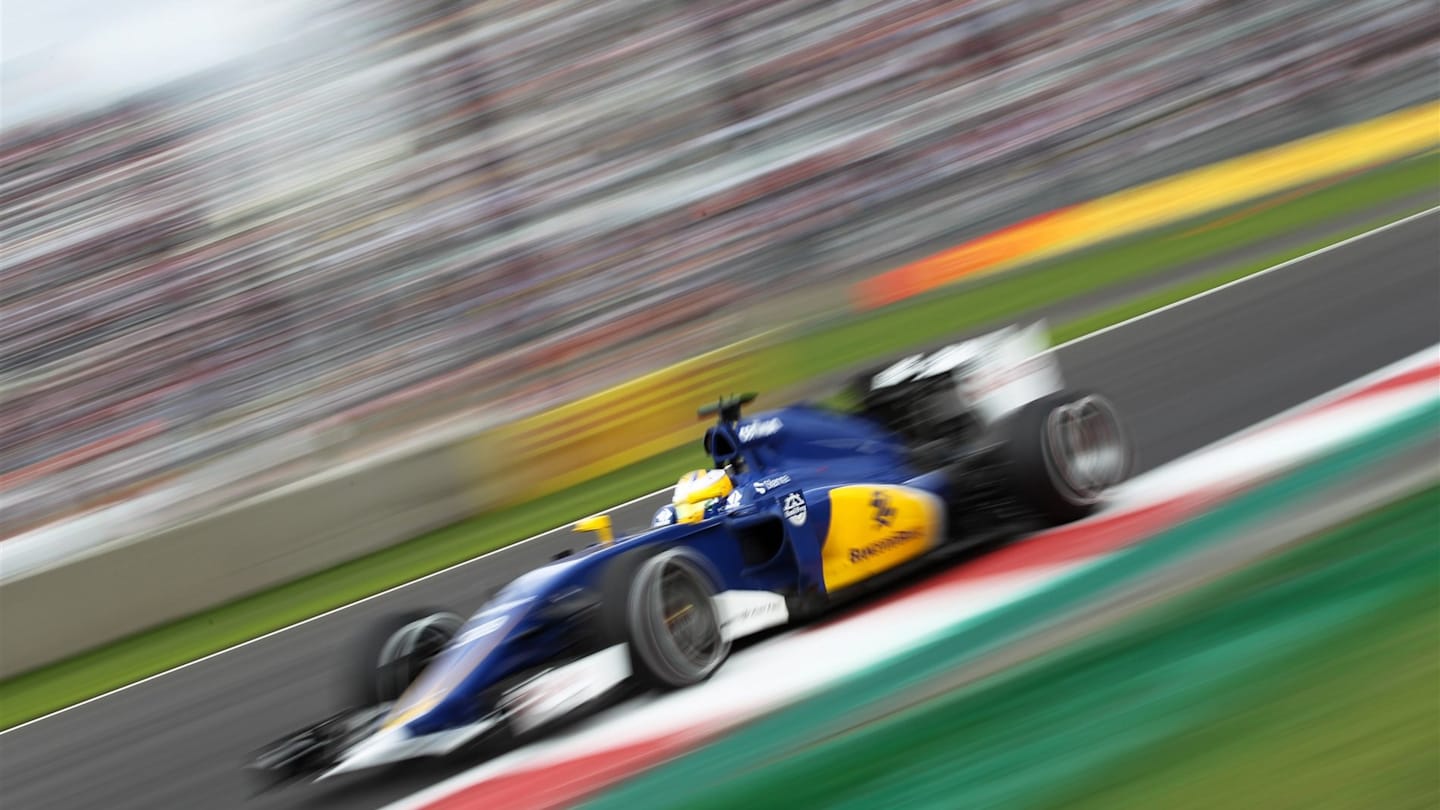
[824,350]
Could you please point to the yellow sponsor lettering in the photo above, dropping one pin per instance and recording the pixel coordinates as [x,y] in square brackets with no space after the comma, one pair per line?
[859,555]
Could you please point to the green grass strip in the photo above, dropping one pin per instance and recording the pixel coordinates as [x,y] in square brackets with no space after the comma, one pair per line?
[825,350]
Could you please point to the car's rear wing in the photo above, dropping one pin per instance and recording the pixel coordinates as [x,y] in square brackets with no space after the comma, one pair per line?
[991,375]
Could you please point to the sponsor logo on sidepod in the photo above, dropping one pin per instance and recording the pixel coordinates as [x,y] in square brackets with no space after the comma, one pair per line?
[883,512]
[794,508]
[879,547]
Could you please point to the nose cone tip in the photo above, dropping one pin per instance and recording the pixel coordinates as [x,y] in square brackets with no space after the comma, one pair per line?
[385,746]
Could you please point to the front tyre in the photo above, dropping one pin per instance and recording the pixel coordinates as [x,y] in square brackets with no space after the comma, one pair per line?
[1065,451]
[672,621]
[397,648]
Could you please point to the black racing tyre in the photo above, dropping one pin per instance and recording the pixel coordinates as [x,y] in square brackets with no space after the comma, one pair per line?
[391,655]
[1064,451]
[662,604]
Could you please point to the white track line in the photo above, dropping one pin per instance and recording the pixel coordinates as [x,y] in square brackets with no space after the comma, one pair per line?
[1142,316]
[1257,274]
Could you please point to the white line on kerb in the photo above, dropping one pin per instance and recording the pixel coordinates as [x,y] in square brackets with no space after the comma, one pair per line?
[1142,316]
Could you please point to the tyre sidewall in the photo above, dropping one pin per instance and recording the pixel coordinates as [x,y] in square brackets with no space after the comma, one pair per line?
[384,662]
[1030,446]
[628,619]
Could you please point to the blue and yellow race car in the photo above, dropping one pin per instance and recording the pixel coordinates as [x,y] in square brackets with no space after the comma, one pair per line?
[804,506]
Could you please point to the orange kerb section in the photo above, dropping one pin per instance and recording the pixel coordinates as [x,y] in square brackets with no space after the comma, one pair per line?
[989,252]
[1173,199]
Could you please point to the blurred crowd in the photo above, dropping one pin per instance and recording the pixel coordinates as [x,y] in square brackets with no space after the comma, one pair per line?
[504,203]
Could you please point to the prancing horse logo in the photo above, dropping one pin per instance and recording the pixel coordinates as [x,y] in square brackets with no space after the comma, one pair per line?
[884,512]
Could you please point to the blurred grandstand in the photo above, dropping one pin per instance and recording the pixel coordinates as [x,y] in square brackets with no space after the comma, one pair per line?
[498,205]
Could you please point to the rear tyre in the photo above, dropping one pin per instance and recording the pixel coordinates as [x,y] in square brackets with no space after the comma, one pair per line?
[395,651]
[1064,452]
[672,622]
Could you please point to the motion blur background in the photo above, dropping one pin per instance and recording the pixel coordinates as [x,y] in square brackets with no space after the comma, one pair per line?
[239,235]
[303,301]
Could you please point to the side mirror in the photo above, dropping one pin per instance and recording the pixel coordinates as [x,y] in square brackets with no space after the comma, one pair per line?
[600,524]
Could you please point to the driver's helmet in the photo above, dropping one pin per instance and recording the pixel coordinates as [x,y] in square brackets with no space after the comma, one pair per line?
[698,494]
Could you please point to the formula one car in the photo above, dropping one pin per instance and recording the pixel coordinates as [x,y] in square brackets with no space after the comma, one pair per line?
[804,507]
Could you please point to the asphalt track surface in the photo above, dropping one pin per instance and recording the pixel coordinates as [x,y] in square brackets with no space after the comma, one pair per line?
[1182,378]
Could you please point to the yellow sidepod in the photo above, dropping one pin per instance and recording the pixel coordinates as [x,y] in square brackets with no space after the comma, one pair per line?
[875,528]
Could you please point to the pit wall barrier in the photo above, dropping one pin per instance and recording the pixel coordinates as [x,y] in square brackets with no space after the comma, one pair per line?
[128,587]
[145,581]
[1163,202]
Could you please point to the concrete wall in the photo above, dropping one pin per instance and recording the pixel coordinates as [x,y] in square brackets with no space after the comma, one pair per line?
[308,527]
